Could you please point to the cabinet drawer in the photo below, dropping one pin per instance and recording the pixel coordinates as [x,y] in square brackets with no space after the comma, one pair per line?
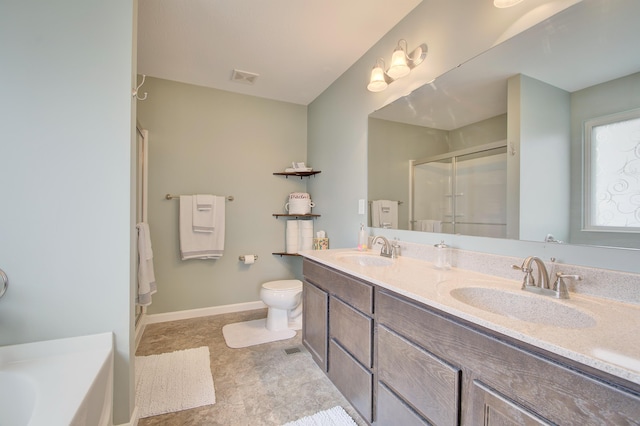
[353,291]
[390,410]
[352,329]
[427,383]
[353,380]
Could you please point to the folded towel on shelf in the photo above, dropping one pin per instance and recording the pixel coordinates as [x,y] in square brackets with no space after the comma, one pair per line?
[196,244]
[384,214]
[146,276]
[203,212]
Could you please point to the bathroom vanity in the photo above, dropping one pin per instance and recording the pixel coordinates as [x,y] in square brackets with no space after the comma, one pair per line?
[403,350]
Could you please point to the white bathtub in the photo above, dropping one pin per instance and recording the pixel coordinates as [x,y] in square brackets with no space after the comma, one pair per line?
[57,382]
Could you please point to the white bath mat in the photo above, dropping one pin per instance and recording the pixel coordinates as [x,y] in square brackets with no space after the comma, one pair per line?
[173,381]
[250,333]
[335,416]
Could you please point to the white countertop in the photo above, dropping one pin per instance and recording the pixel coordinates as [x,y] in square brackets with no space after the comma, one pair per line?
[608,341]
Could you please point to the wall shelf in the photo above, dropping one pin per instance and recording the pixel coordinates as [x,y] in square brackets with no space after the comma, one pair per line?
[296,216]
[301,174]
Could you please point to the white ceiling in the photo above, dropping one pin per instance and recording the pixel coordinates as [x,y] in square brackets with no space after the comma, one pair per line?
[298,47]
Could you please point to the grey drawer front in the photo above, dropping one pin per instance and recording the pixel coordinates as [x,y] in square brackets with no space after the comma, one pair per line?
[428,384]
[352,329]
[353,380]
[392,411]
[353,291]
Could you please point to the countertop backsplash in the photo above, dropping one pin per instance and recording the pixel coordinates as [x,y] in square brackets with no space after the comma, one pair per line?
[615,285]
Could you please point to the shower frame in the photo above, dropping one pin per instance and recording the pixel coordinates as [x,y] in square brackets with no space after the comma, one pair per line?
[452,155]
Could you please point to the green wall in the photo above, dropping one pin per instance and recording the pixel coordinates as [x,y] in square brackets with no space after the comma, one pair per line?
[210,141]
[65,143]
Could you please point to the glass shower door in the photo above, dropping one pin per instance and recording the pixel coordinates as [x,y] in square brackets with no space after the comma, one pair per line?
[480,193]
[432,201]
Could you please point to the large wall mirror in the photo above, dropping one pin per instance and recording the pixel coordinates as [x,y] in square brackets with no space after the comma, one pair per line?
[496,146]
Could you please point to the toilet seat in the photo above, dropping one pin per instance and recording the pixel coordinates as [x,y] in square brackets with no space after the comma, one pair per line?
[283,285]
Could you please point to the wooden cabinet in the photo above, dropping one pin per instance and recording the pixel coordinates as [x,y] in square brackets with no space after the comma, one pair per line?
[401,362]
[315,314]
[501,383]
[493,409]
[350,334]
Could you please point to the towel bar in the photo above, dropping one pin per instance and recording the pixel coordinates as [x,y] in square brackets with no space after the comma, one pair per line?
[399,202]
[171,197]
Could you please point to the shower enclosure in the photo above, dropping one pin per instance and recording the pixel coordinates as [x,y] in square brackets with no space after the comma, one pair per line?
[142,143]
[461,192]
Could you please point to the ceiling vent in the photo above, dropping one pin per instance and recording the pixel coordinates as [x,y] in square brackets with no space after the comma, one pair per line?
[244,77]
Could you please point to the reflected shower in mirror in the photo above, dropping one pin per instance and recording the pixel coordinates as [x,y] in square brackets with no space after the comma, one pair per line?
[532,95]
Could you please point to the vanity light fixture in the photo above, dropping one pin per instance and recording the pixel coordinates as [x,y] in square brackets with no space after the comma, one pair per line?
[379,79]
[501,4]
[401,65]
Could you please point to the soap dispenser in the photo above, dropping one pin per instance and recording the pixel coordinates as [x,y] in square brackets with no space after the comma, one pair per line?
[443,256]
[362,238]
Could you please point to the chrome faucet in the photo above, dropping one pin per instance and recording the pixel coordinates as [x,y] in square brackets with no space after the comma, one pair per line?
[529,281]
[386,250]
[541,286]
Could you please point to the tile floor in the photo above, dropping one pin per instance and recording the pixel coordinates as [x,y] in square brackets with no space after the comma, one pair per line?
[258,385]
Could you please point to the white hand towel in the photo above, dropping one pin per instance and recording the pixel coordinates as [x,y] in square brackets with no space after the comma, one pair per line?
[201,245]
[203,219]
[388,214]
[204,201]
[146,276]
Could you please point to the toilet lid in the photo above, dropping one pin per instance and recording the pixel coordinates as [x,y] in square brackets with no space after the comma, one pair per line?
[283,285]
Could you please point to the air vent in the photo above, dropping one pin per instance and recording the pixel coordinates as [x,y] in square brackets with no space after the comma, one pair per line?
[291,351]
[244,77]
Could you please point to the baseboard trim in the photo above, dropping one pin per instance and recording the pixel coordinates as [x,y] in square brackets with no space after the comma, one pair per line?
[202,312]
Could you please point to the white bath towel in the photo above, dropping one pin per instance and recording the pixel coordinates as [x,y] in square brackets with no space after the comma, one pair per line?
[429,225]
[204,212]
[146,276]
[201,245]
[384,214]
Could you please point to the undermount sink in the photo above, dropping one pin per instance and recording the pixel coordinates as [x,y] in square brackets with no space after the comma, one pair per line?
[364,259]
[534,309]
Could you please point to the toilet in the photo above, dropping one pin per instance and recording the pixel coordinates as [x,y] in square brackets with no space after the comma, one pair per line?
[284,300]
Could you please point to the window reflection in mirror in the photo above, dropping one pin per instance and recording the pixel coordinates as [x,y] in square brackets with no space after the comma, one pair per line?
[612,172]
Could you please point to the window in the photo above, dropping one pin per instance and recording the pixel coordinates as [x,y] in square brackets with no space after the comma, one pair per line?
[612,173]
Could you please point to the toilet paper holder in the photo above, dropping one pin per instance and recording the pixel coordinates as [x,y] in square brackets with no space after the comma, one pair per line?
[241,258]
